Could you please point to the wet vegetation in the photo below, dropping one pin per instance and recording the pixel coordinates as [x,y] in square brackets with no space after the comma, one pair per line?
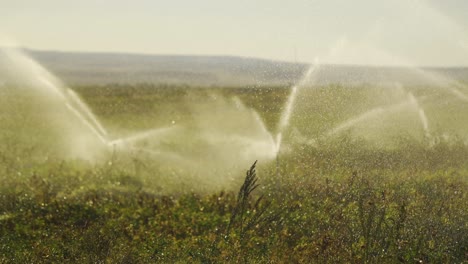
[338,201]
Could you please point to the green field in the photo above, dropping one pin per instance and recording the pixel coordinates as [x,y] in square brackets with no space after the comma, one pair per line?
[379,191]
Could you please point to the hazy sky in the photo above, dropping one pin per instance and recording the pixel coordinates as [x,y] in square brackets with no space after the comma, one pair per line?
[430,32]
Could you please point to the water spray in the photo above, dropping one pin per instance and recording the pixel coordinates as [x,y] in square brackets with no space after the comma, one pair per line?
[51,84]
[421,113]
[289,108]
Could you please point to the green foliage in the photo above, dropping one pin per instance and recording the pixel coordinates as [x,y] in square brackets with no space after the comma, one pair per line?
[357,217]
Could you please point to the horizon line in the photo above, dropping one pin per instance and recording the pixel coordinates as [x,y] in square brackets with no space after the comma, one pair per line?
[135,53]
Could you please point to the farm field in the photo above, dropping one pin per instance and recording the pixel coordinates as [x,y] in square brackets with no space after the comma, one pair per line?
[336,191]
[234,131]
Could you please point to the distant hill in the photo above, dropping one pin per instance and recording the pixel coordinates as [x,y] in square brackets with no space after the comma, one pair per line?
[80,68]
[104,68]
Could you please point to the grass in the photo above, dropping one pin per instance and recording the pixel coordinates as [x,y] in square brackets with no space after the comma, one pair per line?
[339,201]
